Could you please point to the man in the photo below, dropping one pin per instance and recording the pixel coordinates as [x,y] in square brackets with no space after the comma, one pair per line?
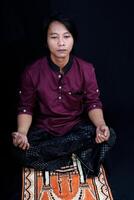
[63,87]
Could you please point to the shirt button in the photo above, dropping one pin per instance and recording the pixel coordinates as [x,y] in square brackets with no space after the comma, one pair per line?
[94,105]
[59,97]
[60,87]
[59,76]
[24,110]
[20,92]
[97,90]
[69,93]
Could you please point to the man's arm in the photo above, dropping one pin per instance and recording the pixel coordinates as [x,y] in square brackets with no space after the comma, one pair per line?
[20,137]
[102,130]
[96,116]
[23,123]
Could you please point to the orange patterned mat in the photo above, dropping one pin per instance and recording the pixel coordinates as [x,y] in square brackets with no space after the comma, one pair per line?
[66,183]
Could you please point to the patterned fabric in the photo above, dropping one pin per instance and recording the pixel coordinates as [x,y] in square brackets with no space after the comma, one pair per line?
[67,183]
[49,152]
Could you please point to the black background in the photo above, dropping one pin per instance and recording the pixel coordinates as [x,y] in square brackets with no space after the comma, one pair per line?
[106,32]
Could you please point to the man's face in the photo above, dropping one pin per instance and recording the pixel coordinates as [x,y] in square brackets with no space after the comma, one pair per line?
[59,40]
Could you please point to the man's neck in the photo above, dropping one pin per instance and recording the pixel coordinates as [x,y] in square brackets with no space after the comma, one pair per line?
[60,62]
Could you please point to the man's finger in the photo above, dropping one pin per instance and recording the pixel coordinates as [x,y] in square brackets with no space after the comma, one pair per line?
[14,134]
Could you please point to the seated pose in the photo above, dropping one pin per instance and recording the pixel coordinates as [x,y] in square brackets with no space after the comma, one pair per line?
[59,110]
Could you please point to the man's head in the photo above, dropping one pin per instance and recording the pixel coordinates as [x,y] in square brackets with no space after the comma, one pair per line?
[60,35]
[67,22]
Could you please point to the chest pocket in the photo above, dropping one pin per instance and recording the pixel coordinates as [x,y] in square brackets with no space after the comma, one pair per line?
[77,93]
[75,97]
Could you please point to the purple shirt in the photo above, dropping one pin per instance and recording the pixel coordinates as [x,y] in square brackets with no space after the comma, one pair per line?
[60,97]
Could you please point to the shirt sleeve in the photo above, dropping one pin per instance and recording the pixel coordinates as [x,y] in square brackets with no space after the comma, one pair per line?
[27,94]
[92,93]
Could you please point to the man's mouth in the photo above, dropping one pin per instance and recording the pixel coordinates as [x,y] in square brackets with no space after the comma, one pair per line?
[61,50]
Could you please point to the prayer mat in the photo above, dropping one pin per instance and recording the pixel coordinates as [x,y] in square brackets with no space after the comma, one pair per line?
[67,183]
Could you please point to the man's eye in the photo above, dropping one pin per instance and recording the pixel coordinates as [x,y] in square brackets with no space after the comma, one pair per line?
[67,36]
[53,37]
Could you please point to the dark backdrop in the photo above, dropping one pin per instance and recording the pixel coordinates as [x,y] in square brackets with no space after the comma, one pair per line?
[106,34]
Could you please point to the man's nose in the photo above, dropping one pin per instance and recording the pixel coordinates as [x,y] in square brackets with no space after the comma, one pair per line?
[61,42]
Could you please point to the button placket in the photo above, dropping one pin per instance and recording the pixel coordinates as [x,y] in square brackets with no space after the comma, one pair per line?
[60,87]
[59,76]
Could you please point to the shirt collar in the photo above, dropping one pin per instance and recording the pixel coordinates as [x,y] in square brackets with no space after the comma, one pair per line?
[56,68]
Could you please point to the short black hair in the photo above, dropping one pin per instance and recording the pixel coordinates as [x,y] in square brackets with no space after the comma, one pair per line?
[66,21]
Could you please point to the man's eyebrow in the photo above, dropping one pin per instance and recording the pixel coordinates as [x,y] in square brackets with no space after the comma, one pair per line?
[54,33]
[67,32]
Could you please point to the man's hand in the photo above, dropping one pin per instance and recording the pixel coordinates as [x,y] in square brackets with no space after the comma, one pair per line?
[102,133]
[20,140]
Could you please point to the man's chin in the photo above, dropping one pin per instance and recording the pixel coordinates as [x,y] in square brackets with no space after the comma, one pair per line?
[62,56]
